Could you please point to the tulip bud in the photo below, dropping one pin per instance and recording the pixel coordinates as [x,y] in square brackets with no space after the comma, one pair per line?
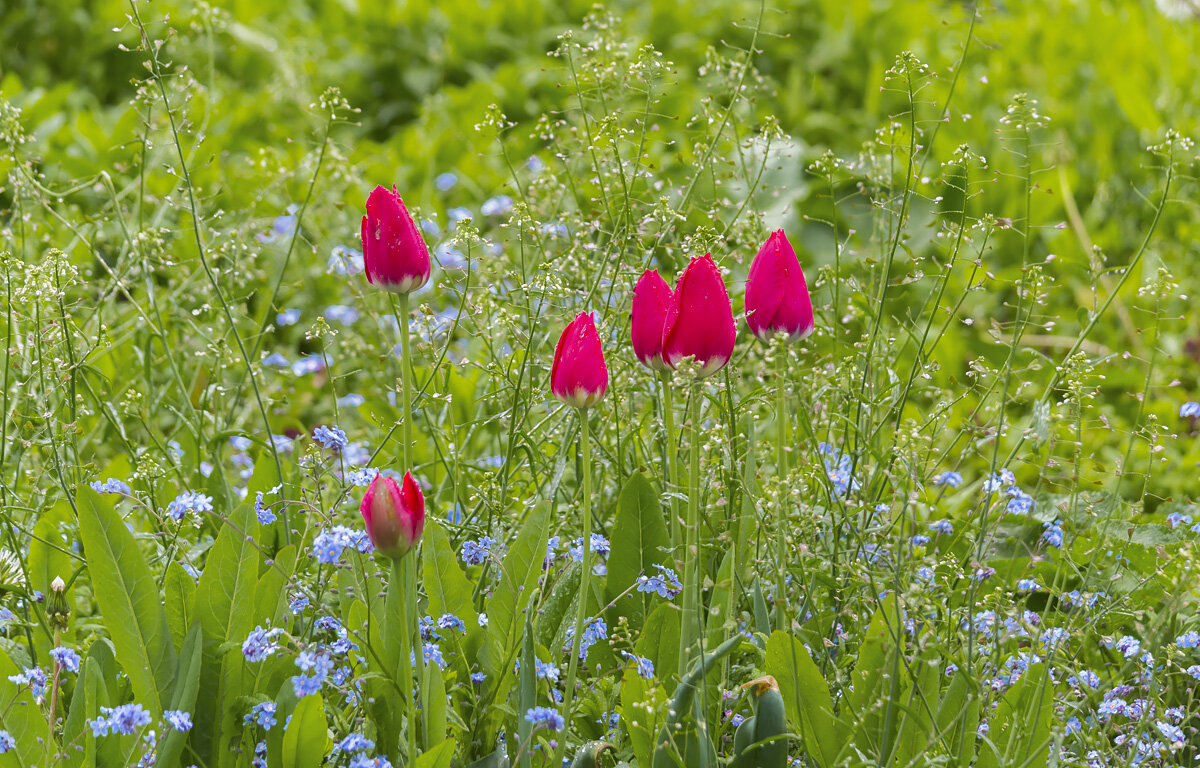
[777,297]
[579,376]
[395,256]
[651,298]
[699,321]
[394,514]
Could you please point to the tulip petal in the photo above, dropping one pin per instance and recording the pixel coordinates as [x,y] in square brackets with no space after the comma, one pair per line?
[699,320]
[777,298]
[579,376]
[395,255]
[651,299]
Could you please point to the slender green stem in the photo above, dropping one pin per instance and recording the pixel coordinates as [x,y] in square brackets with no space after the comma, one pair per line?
[781,613]
[405,381]
[585,583]
[671,468]
[414,631]
[690,621]
[403,671]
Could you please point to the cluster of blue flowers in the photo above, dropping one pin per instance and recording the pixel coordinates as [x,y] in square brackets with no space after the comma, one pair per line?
[189,502]
[948,478]
[125,719]
[111,485]
[430,635]
[262,510]
[1053,533]
[665,584]
[838,468]
[545,717]
[546,670]
[328,545]
[593,632]
[317,665]
[33,677]
[67,659]
[644,666]
[331,438]
[600,548]
[344,261]
[477,552]
[262,715]
[282,228]
[260,644]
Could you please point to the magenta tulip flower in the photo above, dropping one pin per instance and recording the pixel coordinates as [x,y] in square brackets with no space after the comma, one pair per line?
[395,256]
[651,298]
[394,514]
[777,297]
[579,376]
[699,320]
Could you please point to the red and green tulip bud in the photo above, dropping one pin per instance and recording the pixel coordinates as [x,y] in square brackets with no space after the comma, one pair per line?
[394,514]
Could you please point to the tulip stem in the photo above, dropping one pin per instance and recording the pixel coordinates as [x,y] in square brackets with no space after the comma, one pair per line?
[585,583]
[691,622]
[414,629]
[781,620]
[399,612]
[405,394]
[671,468]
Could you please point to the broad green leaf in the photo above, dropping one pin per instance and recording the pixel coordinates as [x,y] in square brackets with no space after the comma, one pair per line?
[643,538]
[659,641]
[224,606]
[183,698]
[1019,732]
[178,588]
[642,705]
[877,666]
[129,600]
[805,695]
[497,759]
[916,722]
[437,757]
[78,714]
[444,581]
[556,609]
[517,579]
[270,594]
[23,720]
[48,548]
[306,740]
[434,694]
[526,690]
[449,590]
[762,620]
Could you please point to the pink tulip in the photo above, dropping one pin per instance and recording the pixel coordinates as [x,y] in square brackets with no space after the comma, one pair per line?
[394,514]
[394,254]
[699,321]
[777,297]
[651,297]
[579,376]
